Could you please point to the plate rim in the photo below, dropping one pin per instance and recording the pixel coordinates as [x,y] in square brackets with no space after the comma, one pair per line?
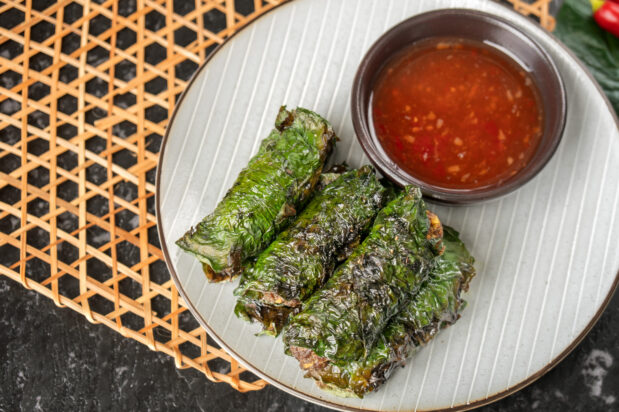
[316,400]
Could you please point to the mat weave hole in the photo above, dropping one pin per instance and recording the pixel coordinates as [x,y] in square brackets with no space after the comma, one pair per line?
[86,89]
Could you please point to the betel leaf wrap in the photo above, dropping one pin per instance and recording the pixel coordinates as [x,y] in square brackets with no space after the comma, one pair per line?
[434,307]
[266,195]
[344,319]
[303,256]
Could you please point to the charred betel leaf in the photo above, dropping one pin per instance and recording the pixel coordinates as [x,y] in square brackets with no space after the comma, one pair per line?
[344,319]
[434,307]
[266,195]
[303,256]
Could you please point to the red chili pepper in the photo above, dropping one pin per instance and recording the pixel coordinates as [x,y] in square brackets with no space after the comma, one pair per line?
[607,16]
[491,128]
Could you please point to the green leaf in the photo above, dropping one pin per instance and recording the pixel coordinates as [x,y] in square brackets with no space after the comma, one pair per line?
[303,256]
[436,306]
[266,195]
[343,320]
[598,49]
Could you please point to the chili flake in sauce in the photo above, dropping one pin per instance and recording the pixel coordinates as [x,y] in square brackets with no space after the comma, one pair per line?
[457,114]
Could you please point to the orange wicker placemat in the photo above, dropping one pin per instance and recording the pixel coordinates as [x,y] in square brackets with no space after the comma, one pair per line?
[86,88]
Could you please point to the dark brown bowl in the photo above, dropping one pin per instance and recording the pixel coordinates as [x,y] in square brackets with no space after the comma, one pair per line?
[472,25]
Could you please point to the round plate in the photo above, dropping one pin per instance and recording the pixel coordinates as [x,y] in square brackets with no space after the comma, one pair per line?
[546,254]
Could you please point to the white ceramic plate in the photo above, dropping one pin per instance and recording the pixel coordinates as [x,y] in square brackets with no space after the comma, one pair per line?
[546,254]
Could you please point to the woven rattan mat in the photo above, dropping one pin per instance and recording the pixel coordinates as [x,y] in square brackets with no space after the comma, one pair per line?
[86,88]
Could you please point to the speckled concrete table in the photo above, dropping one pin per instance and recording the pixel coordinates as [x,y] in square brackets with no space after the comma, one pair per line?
[94,368]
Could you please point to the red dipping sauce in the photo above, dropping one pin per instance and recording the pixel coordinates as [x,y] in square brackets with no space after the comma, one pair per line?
[456,113]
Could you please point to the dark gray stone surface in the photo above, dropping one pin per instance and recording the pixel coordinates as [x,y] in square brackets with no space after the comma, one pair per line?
[54,360]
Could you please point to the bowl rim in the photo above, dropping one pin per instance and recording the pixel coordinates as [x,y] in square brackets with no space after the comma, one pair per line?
[365,135]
